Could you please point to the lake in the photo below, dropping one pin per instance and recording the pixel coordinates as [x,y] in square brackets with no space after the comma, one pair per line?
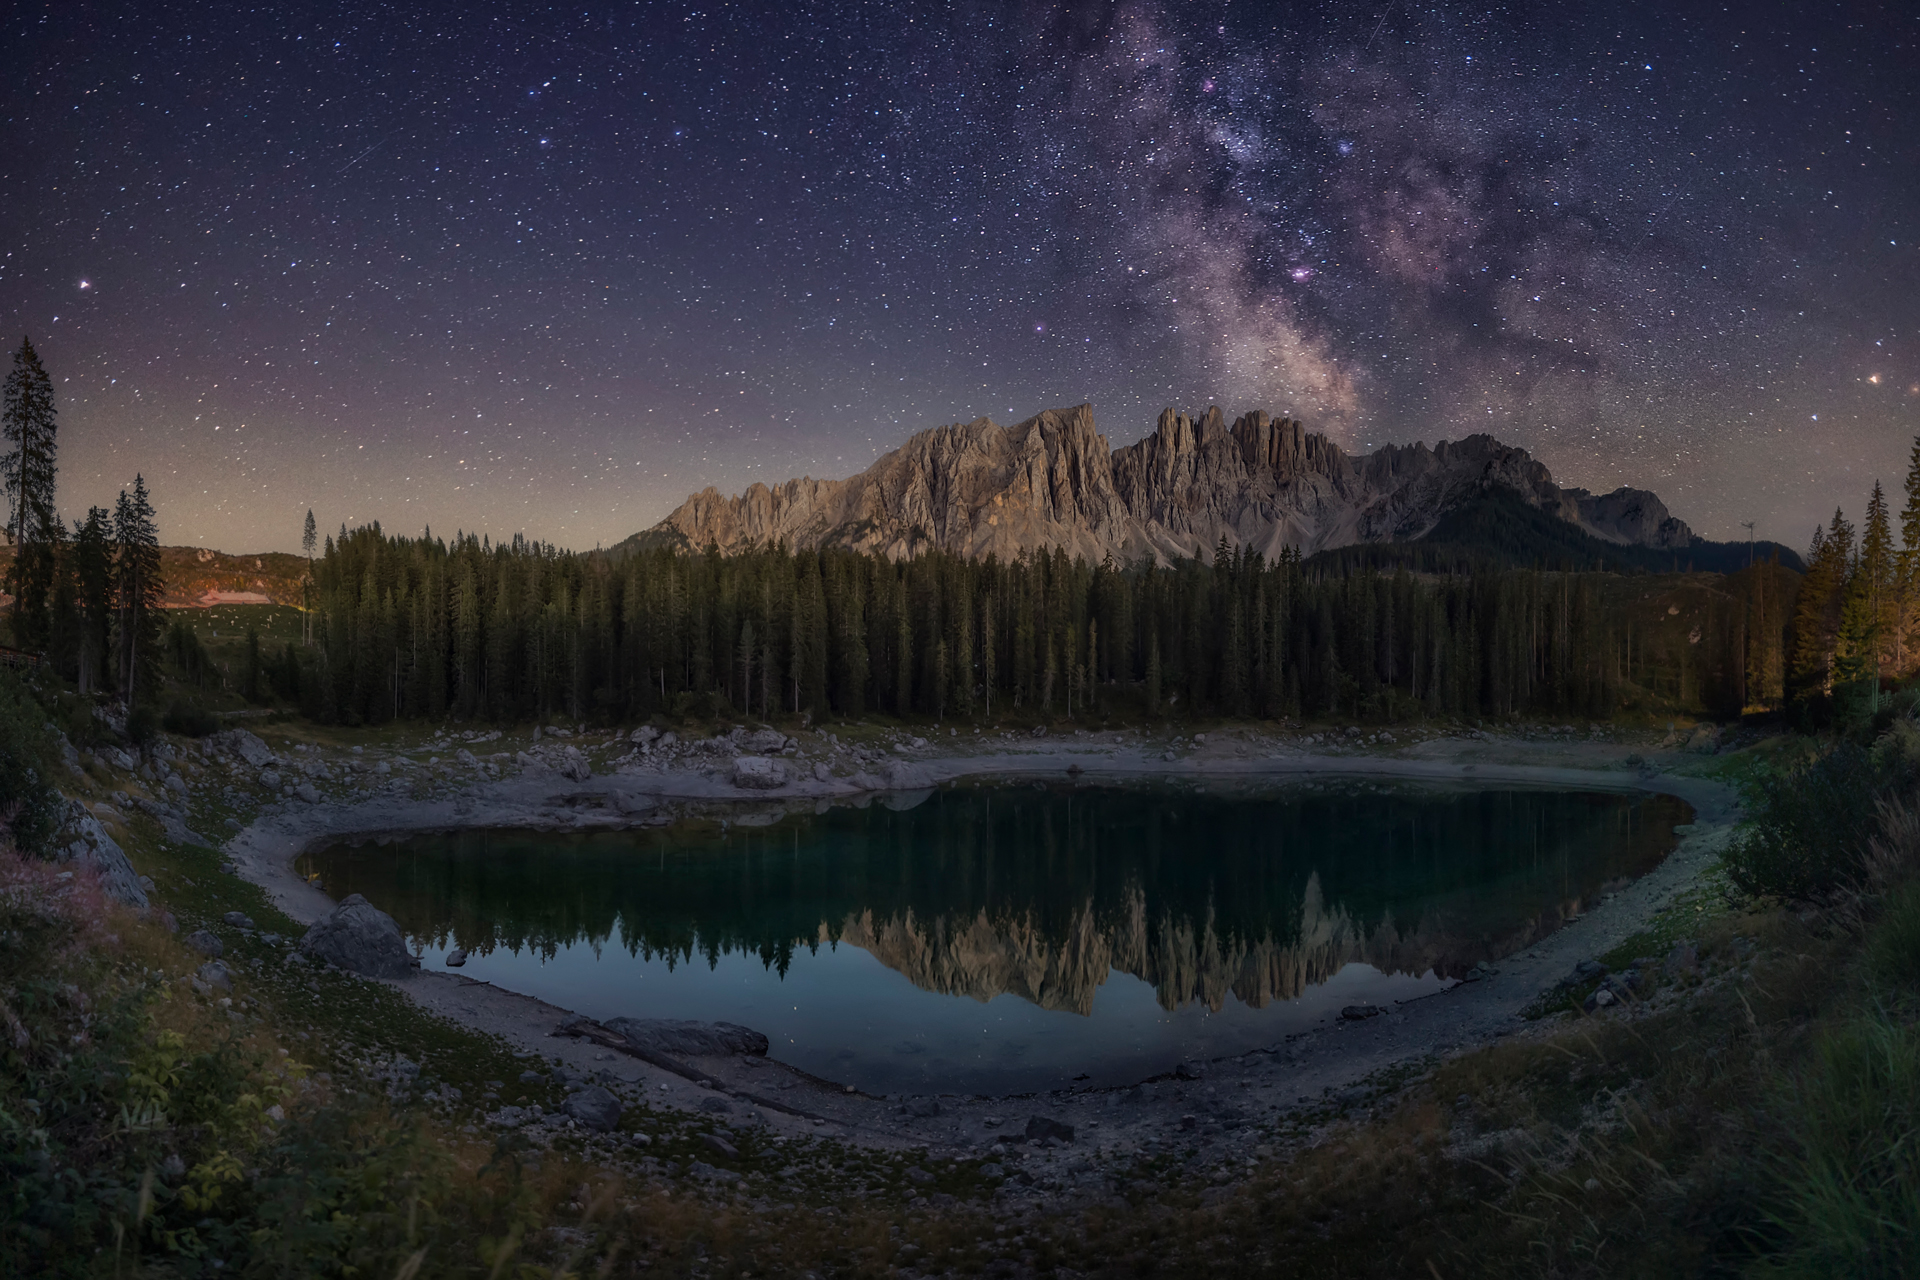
[1008,937]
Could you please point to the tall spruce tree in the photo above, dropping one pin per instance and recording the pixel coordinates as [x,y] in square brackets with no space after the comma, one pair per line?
[1816,614]
[138,590]
[30,468]
[1907,577]
[91,556]
[308,535]
[1879,573]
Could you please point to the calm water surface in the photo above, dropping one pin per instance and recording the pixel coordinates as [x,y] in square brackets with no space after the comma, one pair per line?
[1002,938]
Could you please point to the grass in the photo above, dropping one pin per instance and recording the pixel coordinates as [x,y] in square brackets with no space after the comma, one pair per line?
[1893,948]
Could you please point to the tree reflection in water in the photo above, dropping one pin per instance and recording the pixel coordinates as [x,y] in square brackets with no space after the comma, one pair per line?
[1041,891]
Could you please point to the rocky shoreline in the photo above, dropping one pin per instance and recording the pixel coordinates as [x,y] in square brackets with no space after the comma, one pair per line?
[1076,1142]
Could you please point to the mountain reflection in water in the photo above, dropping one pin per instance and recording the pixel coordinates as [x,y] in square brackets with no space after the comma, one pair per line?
[1042,892]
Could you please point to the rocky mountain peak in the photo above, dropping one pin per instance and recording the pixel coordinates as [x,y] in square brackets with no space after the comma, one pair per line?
[1052,482]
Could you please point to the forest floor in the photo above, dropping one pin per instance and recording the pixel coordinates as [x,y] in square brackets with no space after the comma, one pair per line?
[1222,1114]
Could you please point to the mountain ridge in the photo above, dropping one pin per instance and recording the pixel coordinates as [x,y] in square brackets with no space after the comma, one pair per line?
[1052,482]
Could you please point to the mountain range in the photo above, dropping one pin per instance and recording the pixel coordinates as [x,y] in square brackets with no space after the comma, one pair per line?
[1263,483]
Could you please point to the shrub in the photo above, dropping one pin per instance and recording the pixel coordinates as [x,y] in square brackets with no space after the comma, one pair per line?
[142,724]
[189,719]
[130,1146]
[29,808]
[1808,824]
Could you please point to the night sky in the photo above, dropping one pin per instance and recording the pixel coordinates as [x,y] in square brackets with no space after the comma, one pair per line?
[506,268]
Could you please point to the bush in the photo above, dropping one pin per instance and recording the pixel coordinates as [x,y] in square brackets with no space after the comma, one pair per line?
[142,724]
[1808,824]
[133,1147]
[83,728]
[29,808]
[189,719]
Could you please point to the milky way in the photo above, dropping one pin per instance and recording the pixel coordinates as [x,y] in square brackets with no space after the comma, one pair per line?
[506,269]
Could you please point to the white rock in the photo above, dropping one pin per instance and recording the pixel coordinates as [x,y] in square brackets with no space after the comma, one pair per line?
[763,742]
[758,773]
[81,838]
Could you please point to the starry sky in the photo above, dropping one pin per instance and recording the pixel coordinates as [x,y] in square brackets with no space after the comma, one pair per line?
[514,268]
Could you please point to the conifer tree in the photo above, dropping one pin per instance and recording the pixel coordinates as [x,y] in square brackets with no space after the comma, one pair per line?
[30,468]
[1816,612]
[138,590]
[307,537]
[1907,577]
[91,559]
[1878,570]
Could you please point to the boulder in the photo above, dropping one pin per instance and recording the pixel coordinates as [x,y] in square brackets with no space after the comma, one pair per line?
[763,742]
[644,735]
[238,919]
[239,742]
[270,779]
[903,775]
[593,1108]
[719,1146]
[80,838]
[306,791]
[1044,1127]
[214,973]
[359,937]
[689,1039]
[205,943]
[574,766]
[758,773]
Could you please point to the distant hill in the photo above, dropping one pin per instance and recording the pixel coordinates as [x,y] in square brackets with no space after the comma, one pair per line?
[197,577]
[1500,527]
[1053,483]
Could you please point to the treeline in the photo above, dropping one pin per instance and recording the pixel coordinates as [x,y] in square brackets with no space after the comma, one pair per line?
[1856,626]
[423,627]
[88,599]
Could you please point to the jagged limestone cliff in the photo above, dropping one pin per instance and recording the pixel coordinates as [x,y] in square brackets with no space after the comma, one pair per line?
[1052,482]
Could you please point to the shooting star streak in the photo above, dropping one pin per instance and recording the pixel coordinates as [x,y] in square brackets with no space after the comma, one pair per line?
[378,143]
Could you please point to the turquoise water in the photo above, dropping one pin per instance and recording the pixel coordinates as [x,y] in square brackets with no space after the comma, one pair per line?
[1004,938]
